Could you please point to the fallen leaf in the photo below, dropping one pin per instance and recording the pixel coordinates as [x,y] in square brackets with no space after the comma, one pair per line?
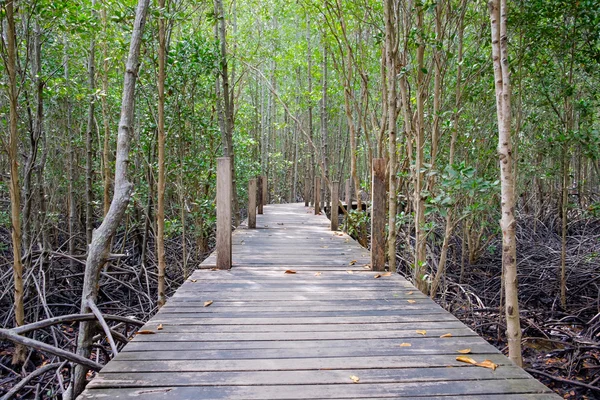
[466,359]
[411,301]
[318,274]
[410,292]
[386,274]
[350,272]
[352,262]
[405,344]
[464,351]
[208,303]
[214,269]
[367,266]
[193,280]
[421,332]
[377,276]
[354,378]
[289,271]
[160,327]
[487,364]
[145,332]
[484,364]
[447,335]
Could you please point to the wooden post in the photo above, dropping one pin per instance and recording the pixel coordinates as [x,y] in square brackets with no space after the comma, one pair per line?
[323,187]
[348,195]
[306,191]
[224,188]
[252,204]
[258,194]
[378,215]
[317,195]
[335,200]
[265,196]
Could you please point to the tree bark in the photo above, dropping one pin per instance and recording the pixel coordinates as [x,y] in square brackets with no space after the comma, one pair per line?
[13,156]
[498,16]
[100,246]
[160,209]
[392,114]
[89,138]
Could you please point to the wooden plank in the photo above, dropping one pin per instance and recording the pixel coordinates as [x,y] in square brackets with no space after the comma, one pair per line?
[378,212]
[411,390]
[323,377]
[224,188]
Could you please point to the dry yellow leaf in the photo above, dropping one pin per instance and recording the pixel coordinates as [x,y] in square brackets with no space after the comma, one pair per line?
[411,301]
[367,266]
[159,328]
[317,274]
[193,280]
[487,364]
[447,335]
[464,351]
[145,332]
[350,272]
[289,271]
[466,359]
[377,276]
[410,292]
[421,332]
[354,378]
[405,344]
[352,262]
[484,364]
[208,303]
[386,274]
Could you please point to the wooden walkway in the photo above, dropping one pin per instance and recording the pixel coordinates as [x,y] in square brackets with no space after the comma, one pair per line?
[269,334]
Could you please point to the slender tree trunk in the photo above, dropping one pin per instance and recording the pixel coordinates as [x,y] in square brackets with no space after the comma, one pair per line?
[498,17]
[105,113]
[324,136]
[160,209]
[89,138]
[100,246]
[71,158]
[392,114]
[312,165]
[420,267]
[13,156]
[227,106]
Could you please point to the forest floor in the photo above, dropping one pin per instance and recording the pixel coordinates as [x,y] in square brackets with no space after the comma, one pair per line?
[561,347]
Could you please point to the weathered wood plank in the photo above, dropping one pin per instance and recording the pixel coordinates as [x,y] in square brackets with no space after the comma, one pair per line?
[252,204]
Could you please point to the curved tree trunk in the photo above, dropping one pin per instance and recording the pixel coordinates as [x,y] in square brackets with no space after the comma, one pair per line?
[100,246]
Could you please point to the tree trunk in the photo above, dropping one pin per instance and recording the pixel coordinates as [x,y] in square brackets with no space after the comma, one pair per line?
[392,114]
[227,107]
[105,115]
[160,209]
[498,16]
[102,237]
[420,267]
[89,138]
[14,188]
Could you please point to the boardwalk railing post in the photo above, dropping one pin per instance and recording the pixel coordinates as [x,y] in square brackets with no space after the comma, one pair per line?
[252,204]
[258,194]
[335,201]
[317,195]
[265,196]
[306,191]
[378,216]
[348,195]
[224,188]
